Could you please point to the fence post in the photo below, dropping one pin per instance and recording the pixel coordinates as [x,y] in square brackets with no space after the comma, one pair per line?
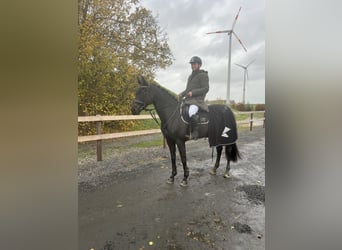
[251,122]
[98,142]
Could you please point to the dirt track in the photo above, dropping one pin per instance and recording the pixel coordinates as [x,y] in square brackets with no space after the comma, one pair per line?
[125,202]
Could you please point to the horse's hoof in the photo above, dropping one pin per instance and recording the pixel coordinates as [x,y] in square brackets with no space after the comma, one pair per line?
[184,183]
[212,172]
[170,181]
[226,175]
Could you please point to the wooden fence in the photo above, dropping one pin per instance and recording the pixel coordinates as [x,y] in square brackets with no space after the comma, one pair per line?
[99,119]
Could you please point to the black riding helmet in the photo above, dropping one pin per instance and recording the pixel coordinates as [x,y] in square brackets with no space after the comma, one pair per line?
[195,59]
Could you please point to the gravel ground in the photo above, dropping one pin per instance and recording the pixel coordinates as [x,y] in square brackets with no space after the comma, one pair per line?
[119,156]
[122,155]
[125,203]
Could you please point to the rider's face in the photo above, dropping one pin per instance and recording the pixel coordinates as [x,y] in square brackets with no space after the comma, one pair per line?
[195,66]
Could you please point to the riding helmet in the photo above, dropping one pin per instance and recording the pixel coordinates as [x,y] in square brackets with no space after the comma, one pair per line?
[195,59]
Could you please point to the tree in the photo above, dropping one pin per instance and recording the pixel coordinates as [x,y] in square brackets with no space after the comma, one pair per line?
[118,40]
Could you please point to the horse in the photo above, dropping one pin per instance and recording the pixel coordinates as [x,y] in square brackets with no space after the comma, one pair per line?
[175,129]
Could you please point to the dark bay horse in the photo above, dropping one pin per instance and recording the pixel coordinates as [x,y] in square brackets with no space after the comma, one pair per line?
[174,129]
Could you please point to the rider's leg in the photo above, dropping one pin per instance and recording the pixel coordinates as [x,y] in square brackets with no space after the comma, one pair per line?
[192,110]
[194,118]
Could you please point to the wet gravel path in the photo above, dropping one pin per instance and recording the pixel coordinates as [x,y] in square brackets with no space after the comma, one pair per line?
[125,202]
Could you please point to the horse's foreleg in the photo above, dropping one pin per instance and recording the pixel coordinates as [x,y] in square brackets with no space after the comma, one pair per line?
[182,152]
[228,153]
[172,147]
[218,158]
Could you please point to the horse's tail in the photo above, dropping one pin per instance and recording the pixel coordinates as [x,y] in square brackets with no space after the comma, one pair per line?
[234,153]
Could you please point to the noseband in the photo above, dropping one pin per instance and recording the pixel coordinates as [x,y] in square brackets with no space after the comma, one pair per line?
[140,103]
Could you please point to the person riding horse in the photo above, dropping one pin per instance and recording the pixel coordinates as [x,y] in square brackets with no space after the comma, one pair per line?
[221,130]
[195,92]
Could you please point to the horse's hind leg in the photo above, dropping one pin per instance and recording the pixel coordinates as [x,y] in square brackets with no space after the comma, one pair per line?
[172,148]
[218,158]
[228,153]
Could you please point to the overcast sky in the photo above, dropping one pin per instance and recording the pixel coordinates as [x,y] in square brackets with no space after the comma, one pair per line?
[186,23]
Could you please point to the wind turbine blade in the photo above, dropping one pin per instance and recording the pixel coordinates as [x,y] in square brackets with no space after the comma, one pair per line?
[250,63]
[240,41]
[240,65]
[236,17]
[220,31]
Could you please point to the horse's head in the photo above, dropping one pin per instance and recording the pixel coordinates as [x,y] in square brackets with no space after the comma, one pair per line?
[143,97]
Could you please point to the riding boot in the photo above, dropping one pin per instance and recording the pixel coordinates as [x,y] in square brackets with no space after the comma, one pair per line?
[194,126]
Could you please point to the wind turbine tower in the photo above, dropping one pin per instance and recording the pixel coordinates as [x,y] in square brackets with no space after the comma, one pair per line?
[245,75]
[230,32]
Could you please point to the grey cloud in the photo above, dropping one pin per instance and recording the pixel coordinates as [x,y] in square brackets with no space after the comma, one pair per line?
[186,23]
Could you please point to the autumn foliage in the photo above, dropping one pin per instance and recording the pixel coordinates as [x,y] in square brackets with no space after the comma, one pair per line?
[117,41]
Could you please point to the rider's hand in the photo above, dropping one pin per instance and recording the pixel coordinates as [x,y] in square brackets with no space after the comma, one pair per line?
[189,93]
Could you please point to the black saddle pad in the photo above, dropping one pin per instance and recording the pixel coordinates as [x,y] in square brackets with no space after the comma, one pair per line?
[222,128]
[203,115]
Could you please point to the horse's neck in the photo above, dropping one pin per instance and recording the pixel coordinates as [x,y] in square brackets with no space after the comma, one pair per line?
[164,104]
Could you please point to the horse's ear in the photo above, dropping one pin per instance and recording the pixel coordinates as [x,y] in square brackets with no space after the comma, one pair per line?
[143,82]
[139,80]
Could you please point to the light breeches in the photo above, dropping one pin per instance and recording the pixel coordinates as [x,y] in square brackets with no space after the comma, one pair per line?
[193,110]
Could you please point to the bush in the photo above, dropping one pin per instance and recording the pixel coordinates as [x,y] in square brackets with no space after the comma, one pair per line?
[260,107]
[248,107]
[239,107]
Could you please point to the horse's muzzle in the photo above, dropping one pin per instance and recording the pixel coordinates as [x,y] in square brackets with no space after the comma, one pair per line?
[136,108]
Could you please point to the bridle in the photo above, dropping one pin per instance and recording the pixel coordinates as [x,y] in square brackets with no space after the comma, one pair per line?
[152,112]
[143,106]
[140,103]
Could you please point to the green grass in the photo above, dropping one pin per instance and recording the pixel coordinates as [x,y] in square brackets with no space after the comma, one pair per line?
[145,124]
[147,144]
[151,124]
[240,117]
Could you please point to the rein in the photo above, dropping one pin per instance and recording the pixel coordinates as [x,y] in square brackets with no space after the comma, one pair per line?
[153,113]
[174,112]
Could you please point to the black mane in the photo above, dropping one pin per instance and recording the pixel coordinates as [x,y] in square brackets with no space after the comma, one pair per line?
[169,92]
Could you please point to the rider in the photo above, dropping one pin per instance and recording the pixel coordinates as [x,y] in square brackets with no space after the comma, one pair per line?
[196,89]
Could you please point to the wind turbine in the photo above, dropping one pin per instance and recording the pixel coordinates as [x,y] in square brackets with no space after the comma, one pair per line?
[230,32]
[245,74]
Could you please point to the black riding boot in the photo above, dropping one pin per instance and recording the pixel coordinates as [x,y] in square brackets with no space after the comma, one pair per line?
[194,127]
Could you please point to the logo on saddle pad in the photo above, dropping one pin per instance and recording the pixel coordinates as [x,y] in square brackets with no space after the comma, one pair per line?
[225,132]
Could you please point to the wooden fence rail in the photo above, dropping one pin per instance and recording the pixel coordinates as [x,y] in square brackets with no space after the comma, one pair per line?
[99,136]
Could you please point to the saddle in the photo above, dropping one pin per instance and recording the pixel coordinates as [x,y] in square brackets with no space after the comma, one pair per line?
[222,129]
[184,112]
